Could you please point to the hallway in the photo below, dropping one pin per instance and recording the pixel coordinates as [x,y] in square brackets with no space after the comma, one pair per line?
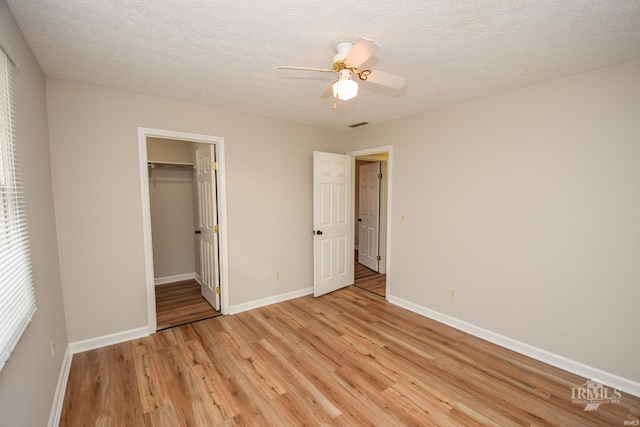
[369,280]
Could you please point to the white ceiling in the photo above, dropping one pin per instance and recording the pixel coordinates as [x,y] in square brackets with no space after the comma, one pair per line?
[225,53]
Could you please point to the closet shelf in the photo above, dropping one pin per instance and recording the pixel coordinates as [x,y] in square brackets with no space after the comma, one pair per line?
[179,165]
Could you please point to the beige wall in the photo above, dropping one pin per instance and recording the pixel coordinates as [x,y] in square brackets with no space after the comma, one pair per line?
[168,150]
[95,161]
[28,380]
[528,205]
[172,226]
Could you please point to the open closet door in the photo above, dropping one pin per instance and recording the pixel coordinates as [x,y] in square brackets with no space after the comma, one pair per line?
[208,225]
[332,222]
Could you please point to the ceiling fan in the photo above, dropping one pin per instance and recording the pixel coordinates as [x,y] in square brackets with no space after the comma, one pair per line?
[347,64]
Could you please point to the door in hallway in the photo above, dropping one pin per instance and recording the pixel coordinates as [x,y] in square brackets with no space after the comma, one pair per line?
[369,215]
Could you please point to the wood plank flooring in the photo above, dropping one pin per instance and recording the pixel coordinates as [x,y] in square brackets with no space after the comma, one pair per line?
[179,303]
[370,280]
[348,358]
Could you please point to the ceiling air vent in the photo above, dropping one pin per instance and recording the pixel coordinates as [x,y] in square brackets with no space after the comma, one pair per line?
[357,125]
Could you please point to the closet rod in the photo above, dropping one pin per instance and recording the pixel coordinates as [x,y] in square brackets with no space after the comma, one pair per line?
[153,165]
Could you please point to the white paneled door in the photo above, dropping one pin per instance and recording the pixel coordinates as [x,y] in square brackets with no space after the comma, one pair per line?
[208,225]
[369,215]
[332,222]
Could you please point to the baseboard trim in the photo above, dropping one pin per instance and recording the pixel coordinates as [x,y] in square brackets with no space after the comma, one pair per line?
[117,338]
[235,309]
[170,279]
[61,387]
[589,372]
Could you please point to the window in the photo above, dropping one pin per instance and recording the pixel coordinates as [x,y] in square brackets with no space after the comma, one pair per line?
[17,298]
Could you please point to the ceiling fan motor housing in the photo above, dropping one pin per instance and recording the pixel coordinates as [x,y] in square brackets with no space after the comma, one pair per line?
[343,50]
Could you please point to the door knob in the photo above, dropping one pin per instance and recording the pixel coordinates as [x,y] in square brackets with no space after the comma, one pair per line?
[319,232]
[198,232]
[359,219]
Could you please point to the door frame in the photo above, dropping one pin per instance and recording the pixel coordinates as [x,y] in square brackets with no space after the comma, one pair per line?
[385,223]
[218,142]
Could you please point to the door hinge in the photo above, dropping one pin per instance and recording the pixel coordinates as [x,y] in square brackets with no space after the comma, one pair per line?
[217,290]
[214,166]
[378,258]
[216,228]
[379,176]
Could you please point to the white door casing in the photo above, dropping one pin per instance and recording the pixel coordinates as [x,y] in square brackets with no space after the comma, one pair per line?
[386,199]
[209,273]
[219,144]
[332,222]
[369,215]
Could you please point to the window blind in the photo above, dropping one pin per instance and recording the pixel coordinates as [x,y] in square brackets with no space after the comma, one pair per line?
[17,298]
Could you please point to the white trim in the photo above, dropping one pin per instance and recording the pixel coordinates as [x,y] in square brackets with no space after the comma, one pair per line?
[384,214]
[143,134]
[541,355]
[235,309]
[61,387]
[146,230]
[177,278]
[389,187]
[223,235]
[103,341]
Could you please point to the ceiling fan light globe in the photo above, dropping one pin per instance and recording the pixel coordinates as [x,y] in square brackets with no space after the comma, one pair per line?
[345,89]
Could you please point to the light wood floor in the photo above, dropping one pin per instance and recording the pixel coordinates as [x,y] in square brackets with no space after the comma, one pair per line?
[348,358]
[370,280]
[179,303]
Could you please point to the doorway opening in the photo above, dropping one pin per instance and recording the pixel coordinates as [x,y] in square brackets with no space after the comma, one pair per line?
[184,216]
[371,205]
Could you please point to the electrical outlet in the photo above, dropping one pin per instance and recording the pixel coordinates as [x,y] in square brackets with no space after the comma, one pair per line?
[453,294]
[276,275]
[53,349]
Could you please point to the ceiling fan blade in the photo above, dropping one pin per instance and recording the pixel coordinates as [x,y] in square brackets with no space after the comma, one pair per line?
[386,79]
[361,51]
[328,91]
[322,70]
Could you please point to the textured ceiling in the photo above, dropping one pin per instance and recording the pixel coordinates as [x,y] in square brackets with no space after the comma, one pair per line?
[226,53]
